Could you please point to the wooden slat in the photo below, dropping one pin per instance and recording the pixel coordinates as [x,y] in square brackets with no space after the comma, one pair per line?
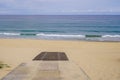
[51,56]
[47,70]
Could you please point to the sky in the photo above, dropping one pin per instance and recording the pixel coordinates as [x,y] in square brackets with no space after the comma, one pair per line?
[59,7]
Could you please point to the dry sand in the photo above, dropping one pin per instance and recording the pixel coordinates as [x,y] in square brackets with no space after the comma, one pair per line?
[100,60]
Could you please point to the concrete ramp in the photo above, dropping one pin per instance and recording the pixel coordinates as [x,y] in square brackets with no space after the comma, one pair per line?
[47,70]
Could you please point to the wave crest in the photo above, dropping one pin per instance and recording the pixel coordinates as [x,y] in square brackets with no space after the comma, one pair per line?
[104,36]
[60,35]
[10,34]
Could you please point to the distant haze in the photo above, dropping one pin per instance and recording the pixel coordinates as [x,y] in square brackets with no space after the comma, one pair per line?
[59,7]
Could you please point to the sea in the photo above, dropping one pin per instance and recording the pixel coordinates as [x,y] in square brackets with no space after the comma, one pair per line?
[61,27]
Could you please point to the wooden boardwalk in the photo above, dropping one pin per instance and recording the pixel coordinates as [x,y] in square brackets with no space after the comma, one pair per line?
[51,56]
[48,66]
[47,70]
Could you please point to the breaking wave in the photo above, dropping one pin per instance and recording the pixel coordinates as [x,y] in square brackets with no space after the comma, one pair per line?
[63,36]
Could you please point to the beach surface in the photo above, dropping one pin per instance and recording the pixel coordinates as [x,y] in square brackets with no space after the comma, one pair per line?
[99,60]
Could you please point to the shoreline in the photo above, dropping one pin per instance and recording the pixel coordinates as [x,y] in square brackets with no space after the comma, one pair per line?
[59,40]
[100,60]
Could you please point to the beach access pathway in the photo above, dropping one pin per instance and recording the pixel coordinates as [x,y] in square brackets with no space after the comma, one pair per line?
[47,69]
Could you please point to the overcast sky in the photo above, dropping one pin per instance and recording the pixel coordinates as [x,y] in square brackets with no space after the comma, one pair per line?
[58,7]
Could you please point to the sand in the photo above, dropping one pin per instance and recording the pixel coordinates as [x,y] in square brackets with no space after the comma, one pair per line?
[100,60]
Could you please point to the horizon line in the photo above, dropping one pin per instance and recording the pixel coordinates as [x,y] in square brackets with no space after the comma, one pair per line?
[60,14]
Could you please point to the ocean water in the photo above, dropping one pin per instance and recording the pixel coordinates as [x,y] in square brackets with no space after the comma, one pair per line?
[61,27]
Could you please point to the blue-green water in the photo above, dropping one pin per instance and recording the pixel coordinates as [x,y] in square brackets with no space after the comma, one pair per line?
[72,27]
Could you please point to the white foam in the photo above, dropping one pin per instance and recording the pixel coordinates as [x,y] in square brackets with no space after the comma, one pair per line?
[114,36]
[61,35]
[9,34]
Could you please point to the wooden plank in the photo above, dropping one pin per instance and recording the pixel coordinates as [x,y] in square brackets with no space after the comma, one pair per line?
[19,73]
[51,56]
[40,56]
[47,70]
[62,56]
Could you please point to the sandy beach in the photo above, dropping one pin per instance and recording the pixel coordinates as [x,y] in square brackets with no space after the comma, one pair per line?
[100,60]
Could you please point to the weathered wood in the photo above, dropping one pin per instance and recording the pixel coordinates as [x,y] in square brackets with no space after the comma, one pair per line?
[51,56]
[47,70]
